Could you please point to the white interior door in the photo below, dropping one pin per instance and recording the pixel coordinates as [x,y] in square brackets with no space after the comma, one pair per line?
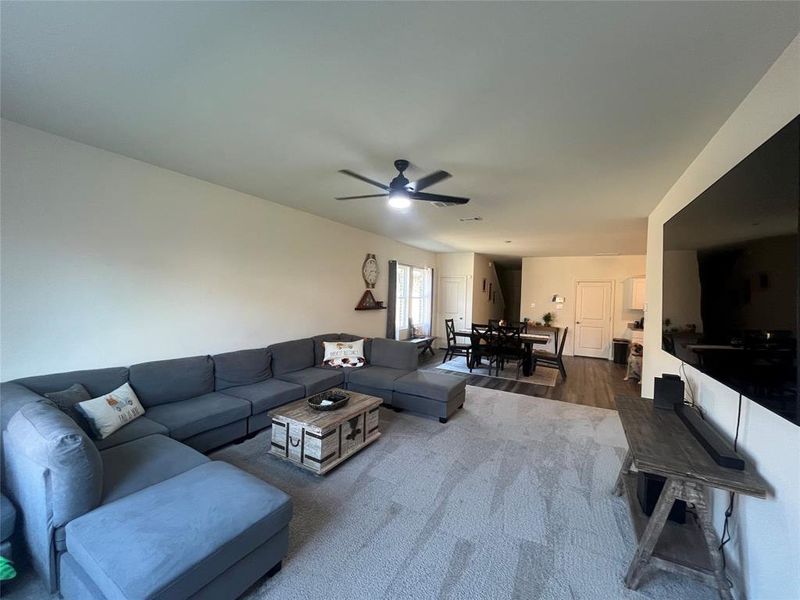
[593,313]
[452,305]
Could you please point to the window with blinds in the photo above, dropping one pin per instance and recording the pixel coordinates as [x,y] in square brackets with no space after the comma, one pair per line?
[414,307]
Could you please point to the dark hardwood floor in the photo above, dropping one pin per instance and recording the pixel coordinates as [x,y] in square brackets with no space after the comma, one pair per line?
[590,381]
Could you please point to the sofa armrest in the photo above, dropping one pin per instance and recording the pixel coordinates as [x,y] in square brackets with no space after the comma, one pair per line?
[14,396]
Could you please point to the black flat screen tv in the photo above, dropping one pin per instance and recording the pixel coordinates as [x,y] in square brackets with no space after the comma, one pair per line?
[730,277]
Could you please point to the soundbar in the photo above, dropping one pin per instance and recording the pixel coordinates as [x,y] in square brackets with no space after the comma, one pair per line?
[719,449]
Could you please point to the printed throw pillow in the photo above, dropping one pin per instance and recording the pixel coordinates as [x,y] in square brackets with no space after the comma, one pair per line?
[66,400]
[344,354]
[108,413]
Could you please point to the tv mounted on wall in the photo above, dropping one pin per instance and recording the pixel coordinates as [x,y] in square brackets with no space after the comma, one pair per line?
[730,277]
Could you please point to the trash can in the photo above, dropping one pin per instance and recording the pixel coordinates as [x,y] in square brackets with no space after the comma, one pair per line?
[621,351]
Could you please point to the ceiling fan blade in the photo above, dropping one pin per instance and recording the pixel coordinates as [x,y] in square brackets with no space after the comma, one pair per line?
[364,179]
[429,180]
[367,196]
[438,198]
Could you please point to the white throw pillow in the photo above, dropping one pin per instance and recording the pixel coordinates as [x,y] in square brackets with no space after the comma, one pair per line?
[344,354]
[111,411]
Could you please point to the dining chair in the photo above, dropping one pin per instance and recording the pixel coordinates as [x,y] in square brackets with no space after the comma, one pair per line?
[494,323]
[548,359]
[484,346]
[453,347]
[510,348]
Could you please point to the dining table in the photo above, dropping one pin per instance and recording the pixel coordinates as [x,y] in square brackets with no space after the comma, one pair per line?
[529,340]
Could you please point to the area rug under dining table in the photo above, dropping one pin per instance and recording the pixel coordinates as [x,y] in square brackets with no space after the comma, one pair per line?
[541,376]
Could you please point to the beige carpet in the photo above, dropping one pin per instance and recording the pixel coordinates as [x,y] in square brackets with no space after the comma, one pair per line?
[541,376]
[510,499]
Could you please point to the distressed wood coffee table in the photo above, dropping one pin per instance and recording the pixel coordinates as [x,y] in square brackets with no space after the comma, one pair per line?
[319,440]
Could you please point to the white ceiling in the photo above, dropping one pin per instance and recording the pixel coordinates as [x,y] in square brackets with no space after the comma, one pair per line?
[564,122]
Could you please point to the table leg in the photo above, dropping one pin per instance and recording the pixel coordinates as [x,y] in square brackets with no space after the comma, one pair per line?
[527,360]
[697,495]
[651,534]
[619,487]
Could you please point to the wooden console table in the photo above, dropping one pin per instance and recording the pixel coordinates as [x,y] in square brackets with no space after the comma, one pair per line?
[659,443]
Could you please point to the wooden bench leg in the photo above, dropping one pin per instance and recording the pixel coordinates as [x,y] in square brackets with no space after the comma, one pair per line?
[623,470]
[697,495]
[651,534]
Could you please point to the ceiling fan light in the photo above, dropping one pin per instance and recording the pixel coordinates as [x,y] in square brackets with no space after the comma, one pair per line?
[399,200]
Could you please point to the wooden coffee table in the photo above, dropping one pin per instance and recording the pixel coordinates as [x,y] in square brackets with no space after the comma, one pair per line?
[319,440]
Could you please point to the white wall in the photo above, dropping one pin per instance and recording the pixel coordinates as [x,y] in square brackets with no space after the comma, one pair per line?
[764,553]
[542,277]
[483,308]
[109,261]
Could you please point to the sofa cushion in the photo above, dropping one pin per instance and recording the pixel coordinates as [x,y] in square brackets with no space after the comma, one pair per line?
[141,463]
[436,386]
[267,394]
[110,412]
[375,377]
[315,379]
[66,400]
[41,434]
[394,354]
[8,518]
[241,368]
[341,354]
[196,415]
[171,539]
[134,430]
[319,351]
[96,381]
[292,356]
[164,381]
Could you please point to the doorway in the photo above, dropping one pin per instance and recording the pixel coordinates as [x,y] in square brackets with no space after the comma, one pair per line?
[452,305]
[509,276]
[594,301]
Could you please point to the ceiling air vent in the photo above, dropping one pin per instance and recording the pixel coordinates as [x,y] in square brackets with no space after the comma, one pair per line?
[462,219]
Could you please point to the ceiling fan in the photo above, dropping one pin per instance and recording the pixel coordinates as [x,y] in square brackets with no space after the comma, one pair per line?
[401,191]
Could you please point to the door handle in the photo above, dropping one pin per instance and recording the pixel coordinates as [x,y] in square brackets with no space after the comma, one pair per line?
[577,322]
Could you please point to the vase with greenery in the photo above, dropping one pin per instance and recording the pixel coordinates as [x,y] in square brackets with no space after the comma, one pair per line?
[548,319]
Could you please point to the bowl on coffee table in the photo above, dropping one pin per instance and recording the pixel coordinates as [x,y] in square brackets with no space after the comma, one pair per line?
[328,400]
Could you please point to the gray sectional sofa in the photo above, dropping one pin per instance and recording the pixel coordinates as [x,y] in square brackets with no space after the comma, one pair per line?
[143,513]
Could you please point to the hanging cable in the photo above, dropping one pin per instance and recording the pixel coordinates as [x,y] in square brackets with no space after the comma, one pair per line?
[726,535]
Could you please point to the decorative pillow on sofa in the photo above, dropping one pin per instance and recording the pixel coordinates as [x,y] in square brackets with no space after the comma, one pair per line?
[66,400]
[111,411]
[344,354]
